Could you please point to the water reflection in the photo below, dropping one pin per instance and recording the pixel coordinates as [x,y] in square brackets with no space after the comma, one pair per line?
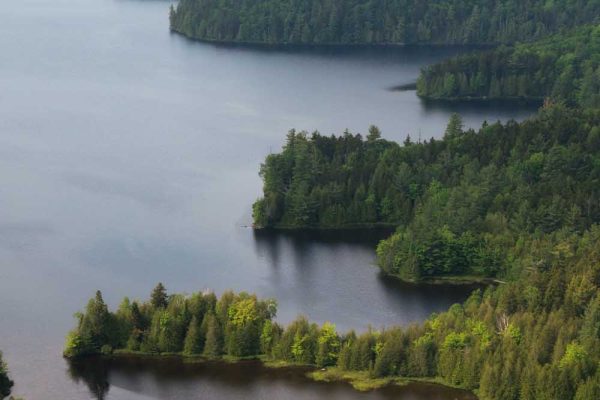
[173,378]
[270,242]
[128,156]
[362,53]
[93,372]
[332,275]
[503,110]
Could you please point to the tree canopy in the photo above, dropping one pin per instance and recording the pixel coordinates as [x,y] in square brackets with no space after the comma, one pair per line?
[563,67]
[5,383]
[533,338]
[378,21]
[460,203]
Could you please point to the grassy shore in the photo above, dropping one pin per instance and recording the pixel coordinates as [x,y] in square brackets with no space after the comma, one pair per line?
[362,381]
[356,226]
[449,280]
[359,380]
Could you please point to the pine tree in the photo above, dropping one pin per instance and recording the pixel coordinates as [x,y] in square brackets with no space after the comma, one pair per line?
[454,127]
[158,299]
[374,134]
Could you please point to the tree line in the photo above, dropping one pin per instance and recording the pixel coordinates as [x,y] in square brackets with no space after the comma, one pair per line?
[378,21]
[233,326]
[534,338]
[563,67]
[460,203]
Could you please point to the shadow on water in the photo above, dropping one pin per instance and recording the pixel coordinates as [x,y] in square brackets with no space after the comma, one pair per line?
[414,293]
[93,372]
[378,53]
[481,106]
[173,378]
[315,269]
[307,248]
[365,237]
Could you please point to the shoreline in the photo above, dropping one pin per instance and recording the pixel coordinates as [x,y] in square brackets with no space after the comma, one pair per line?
[349,227]
[362,382]
[358,380]
[456,280]
[330,44]
[483,99]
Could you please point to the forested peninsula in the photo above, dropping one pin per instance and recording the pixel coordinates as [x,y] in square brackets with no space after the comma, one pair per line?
[534,338]
[463,204]
[374,22]
[515,202]
[564,67]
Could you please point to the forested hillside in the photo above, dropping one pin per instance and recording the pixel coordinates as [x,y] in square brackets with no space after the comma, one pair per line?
[378,21]
[461,203]
[537,338]
[564,67]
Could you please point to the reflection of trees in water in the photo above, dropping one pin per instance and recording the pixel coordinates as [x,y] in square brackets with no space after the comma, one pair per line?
[269,241]
[181,380]
[93,372]
[502,108]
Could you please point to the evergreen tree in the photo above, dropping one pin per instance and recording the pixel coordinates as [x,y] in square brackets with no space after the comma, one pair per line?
[563,67]
[374,134]
[5,383]
[214,339]
[378,22]
[455,127]
[159,296]
[194,341]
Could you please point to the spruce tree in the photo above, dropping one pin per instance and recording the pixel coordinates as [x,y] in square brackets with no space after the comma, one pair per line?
[194,342]
[455,126]
[158,298]
[214,337]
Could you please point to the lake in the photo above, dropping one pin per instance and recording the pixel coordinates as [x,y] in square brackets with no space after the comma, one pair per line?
[130,155]
[150,379]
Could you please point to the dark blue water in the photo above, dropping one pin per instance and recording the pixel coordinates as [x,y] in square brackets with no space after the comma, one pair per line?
[129,155]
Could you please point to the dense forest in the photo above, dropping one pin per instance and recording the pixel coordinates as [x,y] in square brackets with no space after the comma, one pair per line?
[5,383]
[378,21]
[461,203]
[564,67]
[535,338]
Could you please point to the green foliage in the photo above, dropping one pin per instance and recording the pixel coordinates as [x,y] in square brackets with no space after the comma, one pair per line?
[575,356]
[518,200]
[461,204]
[564,67]
[455,127]
[321,181]
[159,296]
[214,337]
[517,341]
[328,346]
[191,325]
[5,383]
[377,21]
[194,340]
[590,389]
[96,328]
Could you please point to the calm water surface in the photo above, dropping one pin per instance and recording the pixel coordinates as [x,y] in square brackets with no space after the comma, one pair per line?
[129,156]
[245,380]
